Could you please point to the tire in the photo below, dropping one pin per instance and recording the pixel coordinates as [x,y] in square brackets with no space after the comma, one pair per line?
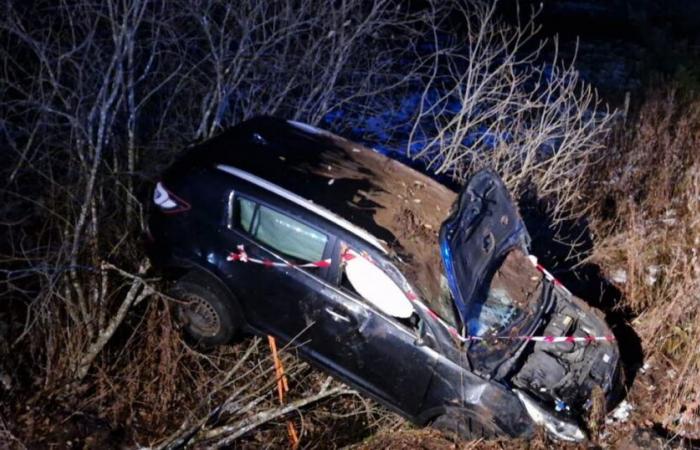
[205,310]
[464,425]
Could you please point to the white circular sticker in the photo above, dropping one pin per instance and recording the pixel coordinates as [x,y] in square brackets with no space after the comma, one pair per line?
[377,288]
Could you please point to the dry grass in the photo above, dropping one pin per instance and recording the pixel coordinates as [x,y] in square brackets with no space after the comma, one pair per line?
[647,188]
[152,388]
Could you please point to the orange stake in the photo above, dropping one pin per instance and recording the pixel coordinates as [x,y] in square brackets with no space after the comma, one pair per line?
[282,389]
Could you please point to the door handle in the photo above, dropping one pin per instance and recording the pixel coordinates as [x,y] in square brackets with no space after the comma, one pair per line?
[336,316]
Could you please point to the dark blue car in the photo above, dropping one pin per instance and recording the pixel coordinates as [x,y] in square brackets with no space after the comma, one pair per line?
[421,298]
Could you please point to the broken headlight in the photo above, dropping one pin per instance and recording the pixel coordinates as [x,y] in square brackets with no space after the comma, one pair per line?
[561,429]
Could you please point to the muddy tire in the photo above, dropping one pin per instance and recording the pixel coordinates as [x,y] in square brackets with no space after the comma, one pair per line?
[464,425]
[204,310]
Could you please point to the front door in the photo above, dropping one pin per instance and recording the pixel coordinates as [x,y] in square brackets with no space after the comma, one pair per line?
[378,353]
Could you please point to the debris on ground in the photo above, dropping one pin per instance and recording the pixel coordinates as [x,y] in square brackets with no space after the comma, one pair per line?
[621,413]
[619,276]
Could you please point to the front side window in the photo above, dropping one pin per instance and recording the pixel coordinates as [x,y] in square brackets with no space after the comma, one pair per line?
[280,232]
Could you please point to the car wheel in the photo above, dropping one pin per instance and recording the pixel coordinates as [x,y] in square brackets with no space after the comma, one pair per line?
[464,425]
[204,310]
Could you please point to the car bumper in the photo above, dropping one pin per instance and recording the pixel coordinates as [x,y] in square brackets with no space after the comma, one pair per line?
[557,427]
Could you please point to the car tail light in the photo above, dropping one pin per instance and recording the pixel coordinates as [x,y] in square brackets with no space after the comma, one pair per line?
[168,202]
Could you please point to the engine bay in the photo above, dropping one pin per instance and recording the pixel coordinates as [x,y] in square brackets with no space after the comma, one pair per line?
[566,374]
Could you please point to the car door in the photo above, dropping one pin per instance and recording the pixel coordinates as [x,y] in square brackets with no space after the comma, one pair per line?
[276,265]
[378,353]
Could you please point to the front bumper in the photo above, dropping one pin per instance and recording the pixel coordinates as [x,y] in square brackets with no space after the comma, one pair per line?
[557,427]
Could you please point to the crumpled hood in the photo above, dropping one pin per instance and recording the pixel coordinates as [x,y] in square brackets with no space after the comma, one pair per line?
[483,226]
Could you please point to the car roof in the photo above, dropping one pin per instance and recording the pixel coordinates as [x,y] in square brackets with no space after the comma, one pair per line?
[389,200]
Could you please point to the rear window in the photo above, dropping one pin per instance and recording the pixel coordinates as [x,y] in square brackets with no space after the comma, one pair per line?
[280,232]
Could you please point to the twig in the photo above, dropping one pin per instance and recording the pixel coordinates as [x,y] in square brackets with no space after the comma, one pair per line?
[244,426]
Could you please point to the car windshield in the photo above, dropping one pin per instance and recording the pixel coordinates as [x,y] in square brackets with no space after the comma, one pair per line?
[513,294]
[443,303]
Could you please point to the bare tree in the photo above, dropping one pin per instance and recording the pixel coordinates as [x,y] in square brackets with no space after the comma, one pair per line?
[496,101]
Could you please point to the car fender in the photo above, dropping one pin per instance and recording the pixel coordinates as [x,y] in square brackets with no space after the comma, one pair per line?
[490,402]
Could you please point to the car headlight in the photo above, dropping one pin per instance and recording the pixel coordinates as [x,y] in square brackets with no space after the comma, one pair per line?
[561,429]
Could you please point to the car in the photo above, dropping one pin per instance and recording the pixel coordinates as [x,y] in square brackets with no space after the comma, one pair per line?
[422,298]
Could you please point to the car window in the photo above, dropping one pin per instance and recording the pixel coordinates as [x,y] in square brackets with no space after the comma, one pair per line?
[245,211]
[280,232]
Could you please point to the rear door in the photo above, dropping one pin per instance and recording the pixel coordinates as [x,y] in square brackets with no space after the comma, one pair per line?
[276,265]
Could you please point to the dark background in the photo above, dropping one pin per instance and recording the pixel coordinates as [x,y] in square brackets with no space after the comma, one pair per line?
[623,45]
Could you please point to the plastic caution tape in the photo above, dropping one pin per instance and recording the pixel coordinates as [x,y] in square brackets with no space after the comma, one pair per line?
[550,339]
[242,256]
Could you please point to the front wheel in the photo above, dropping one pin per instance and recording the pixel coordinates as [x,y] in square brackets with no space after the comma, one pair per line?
[204,310]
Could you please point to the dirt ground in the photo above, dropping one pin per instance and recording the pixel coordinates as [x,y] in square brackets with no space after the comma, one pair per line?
[408,204]
[426,439]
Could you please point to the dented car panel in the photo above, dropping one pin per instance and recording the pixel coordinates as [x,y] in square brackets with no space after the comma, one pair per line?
[483,227]
[566,374]
[233,193]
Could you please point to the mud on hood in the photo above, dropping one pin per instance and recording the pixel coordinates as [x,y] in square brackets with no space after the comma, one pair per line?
[482,227]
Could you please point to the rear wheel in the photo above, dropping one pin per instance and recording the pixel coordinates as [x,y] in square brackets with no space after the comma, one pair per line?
[204,309]
[464,425]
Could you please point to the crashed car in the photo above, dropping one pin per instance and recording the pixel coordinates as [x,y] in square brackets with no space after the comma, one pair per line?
[425,300]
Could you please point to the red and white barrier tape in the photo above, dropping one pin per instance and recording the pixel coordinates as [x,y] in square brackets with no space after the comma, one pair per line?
[549,339]
[242,256]
[550,277]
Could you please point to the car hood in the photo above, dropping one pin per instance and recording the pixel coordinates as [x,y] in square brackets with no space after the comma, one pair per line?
[483,226]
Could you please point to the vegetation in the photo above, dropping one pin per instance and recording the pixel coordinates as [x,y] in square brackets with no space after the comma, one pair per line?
[647,192]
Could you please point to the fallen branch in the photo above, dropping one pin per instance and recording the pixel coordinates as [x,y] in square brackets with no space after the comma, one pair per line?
[233,405]
[137,292]
[187,430]
[244,426]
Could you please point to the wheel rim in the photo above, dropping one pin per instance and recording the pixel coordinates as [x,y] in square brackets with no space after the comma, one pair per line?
[199,315]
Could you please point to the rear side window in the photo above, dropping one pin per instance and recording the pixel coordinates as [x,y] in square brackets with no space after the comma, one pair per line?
[280,232]
[245,211]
